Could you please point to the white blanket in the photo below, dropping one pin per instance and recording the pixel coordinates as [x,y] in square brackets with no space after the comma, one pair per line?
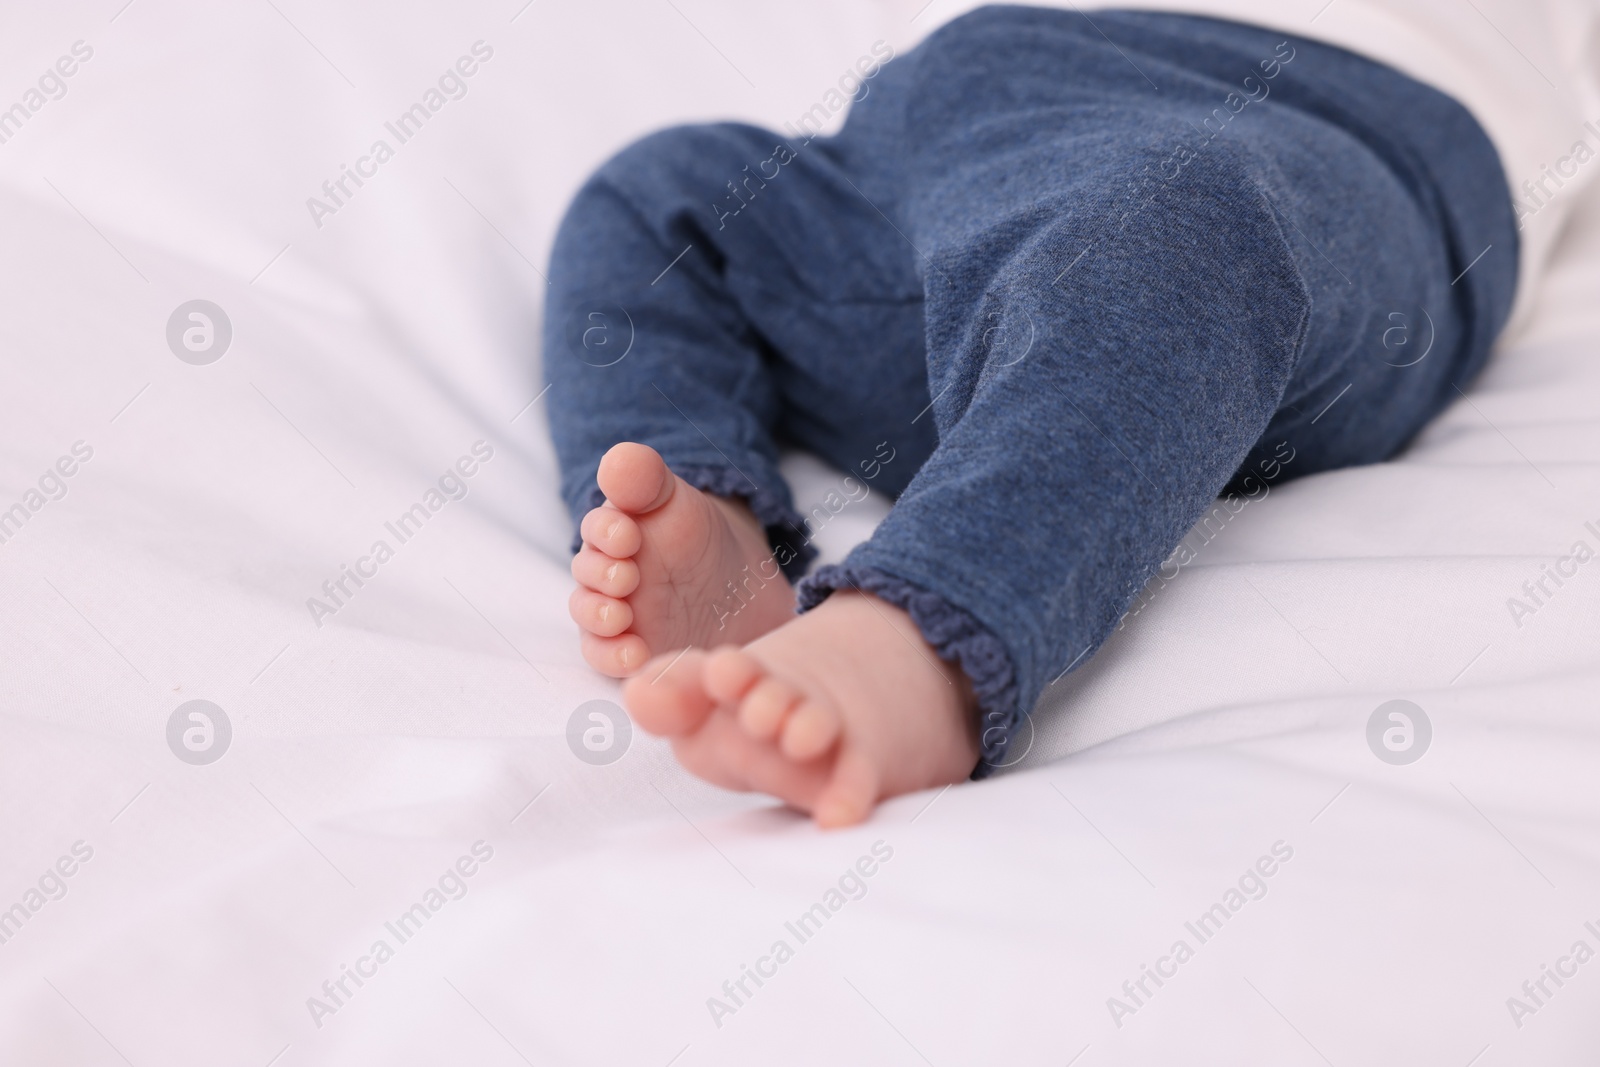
[415,727]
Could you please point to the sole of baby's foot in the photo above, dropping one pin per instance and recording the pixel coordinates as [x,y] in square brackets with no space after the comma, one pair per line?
[667,566]
[832,712]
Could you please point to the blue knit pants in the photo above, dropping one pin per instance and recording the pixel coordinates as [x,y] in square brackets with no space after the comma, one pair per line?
[1078,275]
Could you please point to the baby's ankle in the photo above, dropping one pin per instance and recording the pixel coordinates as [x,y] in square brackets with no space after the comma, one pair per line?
[899,621]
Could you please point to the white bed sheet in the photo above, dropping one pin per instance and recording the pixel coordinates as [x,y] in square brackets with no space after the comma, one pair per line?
[371,752]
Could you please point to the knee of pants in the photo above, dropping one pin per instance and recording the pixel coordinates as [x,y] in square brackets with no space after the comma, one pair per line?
[640,209]
[1187,261]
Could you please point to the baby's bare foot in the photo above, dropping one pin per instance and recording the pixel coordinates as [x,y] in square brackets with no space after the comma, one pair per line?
[832,712]
[656,565]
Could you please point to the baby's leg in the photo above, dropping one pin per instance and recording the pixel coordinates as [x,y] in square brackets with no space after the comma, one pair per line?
[1113,337]
[698,311]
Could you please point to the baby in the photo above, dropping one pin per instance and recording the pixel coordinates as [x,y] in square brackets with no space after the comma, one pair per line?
[1059,282]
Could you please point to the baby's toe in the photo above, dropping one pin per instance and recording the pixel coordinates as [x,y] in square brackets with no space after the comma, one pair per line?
[763,710]
[812,729]
[617,657]
[612,532]
[758,764]
[723,754]
[730,674]
[595,570]
[634,477]
[851,792]
[599,614]
[667,697]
